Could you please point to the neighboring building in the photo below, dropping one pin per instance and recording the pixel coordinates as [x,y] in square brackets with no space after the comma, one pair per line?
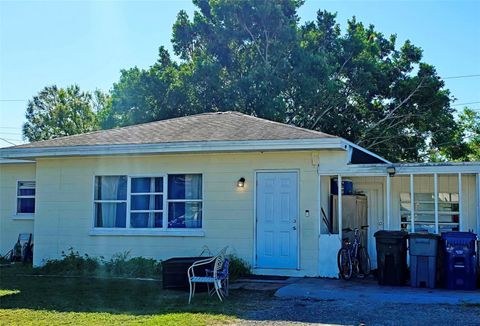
[171,187]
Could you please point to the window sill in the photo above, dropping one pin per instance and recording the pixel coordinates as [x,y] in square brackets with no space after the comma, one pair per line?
[143,232]
[23,216]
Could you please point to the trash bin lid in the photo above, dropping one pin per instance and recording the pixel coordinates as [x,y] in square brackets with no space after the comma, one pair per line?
[390,234]
[424,235]
[457,235]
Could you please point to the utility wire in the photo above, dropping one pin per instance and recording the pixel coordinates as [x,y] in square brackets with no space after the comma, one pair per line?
[464,76]
[7,141]
[466,103]
[10,133]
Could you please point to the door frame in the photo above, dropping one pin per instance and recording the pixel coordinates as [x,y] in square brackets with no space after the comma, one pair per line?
[255,220]
[379,188]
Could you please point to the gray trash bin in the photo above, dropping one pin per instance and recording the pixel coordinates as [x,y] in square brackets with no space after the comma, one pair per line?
[423,259]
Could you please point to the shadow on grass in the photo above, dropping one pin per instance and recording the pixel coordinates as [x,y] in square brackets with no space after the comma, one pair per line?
[115,296]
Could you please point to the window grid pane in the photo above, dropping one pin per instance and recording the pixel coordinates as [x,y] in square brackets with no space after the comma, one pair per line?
[110,188]
[110,215]
[424,217]
[185,214]
[26,197]
[146,202]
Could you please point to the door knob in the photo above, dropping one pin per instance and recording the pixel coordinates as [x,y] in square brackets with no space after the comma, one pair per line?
[294,228]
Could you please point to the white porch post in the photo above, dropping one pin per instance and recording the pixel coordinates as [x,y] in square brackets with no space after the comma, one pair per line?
[412,204]
[478,203]
[319,204]
[340,207]
[435,194]
[460,210]
[389,214]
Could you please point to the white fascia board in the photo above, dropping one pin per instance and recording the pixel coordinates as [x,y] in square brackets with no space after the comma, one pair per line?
[178,147]
[381,169]
[8,161]
[355,170]
[444,168]
[360,148]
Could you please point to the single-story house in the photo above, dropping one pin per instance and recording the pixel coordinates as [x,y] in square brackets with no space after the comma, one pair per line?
[267,190]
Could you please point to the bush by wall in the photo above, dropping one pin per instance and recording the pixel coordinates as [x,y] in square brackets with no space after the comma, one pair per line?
[120,265]
[238,267]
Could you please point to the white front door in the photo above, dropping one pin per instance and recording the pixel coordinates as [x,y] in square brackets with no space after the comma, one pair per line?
[277,220]
[374,193]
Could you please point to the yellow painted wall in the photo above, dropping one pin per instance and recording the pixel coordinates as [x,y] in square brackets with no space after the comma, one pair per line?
[65,205]
[12,224]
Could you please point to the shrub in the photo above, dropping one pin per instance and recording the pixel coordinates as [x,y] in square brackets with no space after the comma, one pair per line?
[121,265]
[4,260]
[238,267]
[71,263]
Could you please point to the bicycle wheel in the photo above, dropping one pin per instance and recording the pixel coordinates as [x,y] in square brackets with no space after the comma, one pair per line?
[344,262]
[364,260]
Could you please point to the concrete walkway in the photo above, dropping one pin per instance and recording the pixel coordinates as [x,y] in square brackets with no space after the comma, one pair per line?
[369,290]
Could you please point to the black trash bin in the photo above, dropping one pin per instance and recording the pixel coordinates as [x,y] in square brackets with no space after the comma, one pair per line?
[423,248]
[459,265]
[391,257]
[174,273]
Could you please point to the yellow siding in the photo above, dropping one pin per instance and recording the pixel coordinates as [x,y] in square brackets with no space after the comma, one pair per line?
[65,205]
[10,224]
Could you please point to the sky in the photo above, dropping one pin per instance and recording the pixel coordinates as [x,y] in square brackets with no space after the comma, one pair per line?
[88,43]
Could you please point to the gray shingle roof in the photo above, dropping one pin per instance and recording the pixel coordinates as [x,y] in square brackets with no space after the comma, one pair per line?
[218,126]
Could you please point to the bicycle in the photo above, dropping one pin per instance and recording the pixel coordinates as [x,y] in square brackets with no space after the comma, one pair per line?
[353,257]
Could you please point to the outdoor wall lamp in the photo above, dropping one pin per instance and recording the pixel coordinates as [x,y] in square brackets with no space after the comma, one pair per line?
[391,170]
[241,182]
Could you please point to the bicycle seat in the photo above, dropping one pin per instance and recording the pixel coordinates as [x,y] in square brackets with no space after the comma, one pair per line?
[347,230]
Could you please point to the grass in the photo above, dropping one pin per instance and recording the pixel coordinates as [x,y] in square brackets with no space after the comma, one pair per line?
[28,300]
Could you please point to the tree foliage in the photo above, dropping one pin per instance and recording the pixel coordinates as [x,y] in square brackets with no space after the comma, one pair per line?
[465,144]
[56,112]
[254,56]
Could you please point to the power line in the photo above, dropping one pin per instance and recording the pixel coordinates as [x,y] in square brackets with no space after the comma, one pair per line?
[9,100]
[10,133]
[464,76]
[466,103]
[7,141]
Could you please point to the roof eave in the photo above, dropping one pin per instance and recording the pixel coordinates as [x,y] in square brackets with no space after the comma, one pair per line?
[177,147]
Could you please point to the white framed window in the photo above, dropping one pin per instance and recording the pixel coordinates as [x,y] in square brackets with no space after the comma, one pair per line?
[110,201]
[424,215]
[160,202]
[185,201]
[26,197]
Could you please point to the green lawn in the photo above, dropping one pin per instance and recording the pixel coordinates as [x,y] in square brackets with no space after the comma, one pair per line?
[34,300]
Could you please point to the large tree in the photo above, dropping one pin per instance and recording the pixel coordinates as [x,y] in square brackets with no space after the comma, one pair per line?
[56,112]
[255,57]
[465,145]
